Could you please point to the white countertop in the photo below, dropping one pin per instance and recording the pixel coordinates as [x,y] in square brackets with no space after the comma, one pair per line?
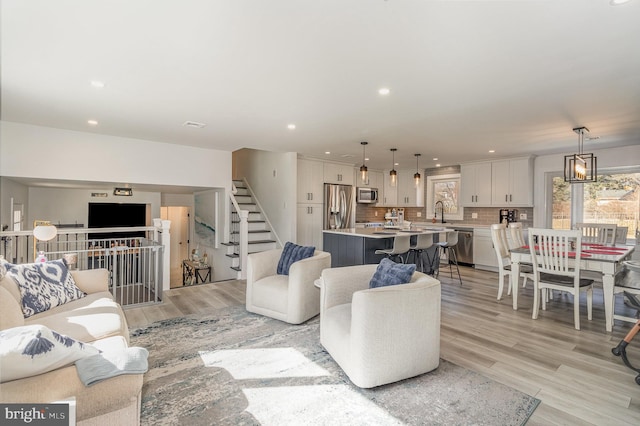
[385,232]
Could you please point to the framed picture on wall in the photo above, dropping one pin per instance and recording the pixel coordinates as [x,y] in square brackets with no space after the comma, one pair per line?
[206,220]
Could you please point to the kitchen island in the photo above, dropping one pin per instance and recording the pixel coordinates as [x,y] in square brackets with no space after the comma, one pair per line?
[357,246]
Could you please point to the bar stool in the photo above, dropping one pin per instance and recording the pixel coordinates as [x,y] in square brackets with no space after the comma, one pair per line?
[401,245]
[423,242]
[448,248]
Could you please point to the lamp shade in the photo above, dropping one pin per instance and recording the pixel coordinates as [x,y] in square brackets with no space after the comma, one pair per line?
[45,232]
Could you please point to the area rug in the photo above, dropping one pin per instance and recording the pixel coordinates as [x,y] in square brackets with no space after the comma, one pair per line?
[237,368]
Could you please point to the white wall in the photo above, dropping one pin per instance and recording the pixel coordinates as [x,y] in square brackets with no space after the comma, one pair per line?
[626,156]
[273,178]
[71,206]
[20,194]
[43,152]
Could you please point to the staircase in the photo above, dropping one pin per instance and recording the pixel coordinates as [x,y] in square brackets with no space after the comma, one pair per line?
[260,237]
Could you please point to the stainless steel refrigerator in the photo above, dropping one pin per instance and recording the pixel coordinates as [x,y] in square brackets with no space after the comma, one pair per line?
[338,206]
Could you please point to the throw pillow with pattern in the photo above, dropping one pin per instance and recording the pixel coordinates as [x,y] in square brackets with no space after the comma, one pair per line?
[30,350]
[44,285]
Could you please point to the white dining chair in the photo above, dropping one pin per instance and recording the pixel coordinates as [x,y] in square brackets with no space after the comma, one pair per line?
[621,234]
[600,233]
[401,246]
[554,269]
[499,239]
[517,235]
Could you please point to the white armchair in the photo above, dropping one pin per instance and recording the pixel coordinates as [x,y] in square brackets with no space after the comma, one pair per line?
[290,298]
[380,335]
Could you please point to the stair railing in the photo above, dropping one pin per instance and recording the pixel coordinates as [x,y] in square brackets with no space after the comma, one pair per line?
[264,214]
[243,233]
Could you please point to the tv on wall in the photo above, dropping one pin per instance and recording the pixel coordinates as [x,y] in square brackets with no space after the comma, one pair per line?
[117,215]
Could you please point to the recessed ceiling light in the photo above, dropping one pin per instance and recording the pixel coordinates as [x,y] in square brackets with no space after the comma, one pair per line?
[291,126]
[384,91]
[435,159]
[618,2]
[92,122]
[193,124]
[396,164]
[438,165]
[327,152]
[491,151]
[366,159]
[97,84]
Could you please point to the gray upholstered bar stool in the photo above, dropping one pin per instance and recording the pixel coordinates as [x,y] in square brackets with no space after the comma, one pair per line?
[423,242]
[448,247]
[401,245]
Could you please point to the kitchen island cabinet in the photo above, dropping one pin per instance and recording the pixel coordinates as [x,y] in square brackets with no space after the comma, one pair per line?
[357,246]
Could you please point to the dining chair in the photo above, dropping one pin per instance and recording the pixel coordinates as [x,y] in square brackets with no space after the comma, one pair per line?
[499,239]
[554,268]
[621,234]
[401,246]
[601,233]
[517,235]
[423,242]
[448,249]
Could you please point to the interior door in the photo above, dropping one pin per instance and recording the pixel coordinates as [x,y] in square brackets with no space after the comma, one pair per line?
[179,246]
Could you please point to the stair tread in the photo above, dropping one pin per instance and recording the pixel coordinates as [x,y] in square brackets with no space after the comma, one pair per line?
[236,268]
[249,221]
[233,255]
[255,231]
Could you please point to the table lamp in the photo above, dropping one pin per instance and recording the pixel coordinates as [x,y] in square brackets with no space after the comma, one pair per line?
[42,231]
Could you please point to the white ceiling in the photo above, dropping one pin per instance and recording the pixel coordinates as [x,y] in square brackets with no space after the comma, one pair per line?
[465,76]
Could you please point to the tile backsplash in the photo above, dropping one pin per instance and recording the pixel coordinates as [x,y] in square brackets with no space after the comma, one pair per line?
[486,215]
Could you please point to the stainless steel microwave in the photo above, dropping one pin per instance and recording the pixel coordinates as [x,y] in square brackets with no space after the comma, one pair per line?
[367,195]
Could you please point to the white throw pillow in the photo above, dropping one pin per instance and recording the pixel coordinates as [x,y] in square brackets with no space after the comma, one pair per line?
[43,285]
[30,350]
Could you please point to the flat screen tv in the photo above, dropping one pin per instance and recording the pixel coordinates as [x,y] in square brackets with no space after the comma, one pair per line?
[117,215]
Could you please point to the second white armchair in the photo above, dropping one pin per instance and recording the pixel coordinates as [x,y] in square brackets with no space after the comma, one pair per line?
[380,335]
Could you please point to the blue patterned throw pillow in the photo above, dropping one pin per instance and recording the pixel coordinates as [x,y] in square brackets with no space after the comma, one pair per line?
[292,253]
[43,285]
[391,273]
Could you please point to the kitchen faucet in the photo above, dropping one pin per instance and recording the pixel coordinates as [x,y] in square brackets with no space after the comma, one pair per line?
[441,210]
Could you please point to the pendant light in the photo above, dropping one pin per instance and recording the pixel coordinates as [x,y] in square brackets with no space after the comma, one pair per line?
[416,177]
[393,175]
[580,167]
[364,175]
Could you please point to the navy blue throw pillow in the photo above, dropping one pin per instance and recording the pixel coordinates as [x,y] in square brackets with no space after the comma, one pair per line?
[391,273]
[292,253]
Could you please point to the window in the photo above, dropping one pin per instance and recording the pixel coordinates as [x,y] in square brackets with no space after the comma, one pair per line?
[614,198]
[444,188]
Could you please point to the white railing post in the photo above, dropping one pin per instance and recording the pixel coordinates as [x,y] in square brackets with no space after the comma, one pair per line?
[165,241]
[244,242]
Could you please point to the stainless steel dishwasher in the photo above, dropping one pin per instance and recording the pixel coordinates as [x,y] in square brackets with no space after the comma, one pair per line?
[464,248]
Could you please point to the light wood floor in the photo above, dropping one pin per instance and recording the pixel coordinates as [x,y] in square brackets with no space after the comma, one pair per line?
[572,372]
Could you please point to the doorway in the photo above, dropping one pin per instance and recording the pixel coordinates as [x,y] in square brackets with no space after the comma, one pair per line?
[179,246]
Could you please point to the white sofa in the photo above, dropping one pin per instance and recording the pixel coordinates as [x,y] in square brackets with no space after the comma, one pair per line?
[290,298]
[380,335]
[95,319]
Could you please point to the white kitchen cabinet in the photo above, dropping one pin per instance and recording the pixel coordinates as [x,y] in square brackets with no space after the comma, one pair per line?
[339,173]
[309,225]
[310,181]
[408,194]
[405,193]
[475,184]
[512,182]
[389,196]
[484,254]
[374,179]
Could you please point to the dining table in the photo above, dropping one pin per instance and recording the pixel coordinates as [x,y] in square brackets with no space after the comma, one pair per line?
[605,259]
